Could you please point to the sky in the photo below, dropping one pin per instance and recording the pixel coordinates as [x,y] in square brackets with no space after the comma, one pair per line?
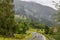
[44,2]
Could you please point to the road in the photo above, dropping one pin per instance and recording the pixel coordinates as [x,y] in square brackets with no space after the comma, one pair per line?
[37,36]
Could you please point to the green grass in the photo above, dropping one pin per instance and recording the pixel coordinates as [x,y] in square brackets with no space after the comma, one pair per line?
[5,38]
[35,30]
[18,37]
[23,36]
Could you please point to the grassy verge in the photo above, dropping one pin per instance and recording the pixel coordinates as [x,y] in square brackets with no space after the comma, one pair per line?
[17,37]
[8,38]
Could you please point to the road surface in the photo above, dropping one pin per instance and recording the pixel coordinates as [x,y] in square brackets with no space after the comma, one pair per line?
[37,36]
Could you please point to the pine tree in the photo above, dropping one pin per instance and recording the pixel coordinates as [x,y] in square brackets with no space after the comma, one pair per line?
[6,17]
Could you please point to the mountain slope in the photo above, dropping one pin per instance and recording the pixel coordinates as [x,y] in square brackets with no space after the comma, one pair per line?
[33,10]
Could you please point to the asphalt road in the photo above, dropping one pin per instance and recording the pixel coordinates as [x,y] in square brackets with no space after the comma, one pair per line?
[37,36]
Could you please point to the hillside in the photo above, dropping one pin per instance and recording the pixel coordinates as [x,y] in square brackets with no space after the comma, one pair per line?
[34,11]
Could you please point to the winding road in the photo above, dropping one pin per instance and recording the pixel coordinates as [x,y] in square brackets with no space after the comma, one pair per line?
[37,36]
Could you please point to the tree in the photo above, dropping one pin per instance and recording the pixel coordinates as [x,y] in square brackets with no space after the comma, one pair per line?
[46,29]
[56,16]
[22,27]
[6,17]
[51,31]
[37,25]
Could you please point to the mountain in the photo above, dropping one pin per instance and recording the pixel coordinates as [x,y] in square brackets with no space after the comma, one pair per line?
[34,10]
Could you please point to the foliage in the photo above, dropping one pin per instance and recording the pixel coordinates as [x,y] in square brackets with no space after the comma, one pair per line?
[57,18]
[46,29]
[56,36]
[36,25]
[22,27]
[51,31]
[6,17]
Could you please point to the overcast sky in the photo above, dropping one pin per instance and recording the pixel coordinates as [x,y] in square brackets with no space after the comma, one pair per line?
[44,2]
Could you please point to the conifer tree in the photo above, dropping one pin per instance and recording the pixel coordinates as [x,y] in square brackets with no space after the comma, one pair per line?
[6,17]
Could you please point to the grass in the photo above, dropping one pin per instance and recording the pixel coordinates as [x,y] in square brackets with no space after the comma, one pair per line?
[23,36]
[48,37]
[35,30]
[4,38]
[18,37]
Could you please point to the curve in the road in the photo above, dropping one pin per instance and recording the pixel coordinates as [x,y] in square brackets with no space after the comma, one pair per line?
[37,36]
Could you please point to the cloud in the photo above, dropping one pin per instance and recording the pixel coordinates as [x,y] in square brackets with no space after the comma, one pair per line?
[44,2]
